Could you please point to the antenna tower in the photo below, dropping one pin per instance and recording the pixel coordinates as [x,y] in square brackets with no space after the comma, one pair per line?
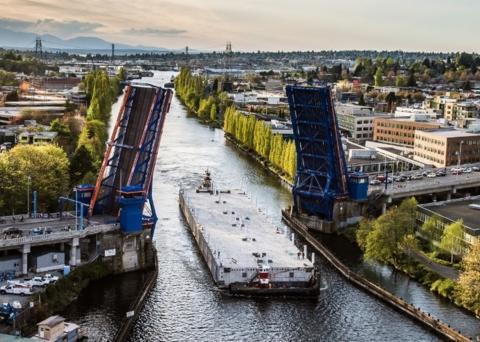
[113,53]
[38,48]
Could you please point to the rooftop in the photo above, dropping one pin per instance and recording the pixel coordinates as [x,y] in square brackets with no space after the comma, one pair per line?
[458,209]
[52,321]
[451,133]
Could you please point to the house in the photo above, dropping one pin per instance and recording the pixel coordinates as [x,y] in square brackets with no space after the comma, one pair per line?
[55,329]
[36,138]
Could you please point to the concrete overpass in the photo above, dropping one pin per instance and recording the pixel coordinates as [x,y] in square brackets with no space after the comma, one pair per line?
[445,186]
[62,232]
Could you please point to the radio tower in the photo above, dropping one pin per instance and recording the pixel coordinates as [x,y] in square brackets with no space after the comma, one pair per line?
[228,57]
[187,62]
[38,48]
[113,54]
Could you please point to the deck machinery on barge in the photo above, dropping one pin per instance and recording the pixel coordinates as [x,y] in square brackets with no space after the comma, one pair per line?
[245,253]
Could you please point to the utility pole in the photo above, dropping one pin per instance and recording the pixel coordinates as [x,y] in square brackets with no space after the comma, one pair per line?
[187,62]
[28,195]
[460,154]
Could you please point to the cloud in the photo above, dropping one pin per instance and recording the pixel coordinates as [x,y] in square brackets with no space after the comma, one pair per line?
[65,28]
[154,32]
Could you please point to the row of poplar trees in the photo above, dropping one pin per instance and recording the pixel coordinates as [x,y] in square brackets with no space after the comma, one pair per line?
[205,100]
[257,136]
[210,104]
[102,91]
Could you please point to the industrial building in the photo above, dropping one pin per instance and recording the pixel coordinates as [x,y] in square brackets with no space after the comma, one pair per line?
[399,131]
[445,147]
[447,212]
[357,121]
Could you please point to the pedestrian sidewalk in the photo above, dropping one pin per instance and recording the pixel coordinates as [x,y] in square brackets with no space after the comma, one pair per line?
[445,271]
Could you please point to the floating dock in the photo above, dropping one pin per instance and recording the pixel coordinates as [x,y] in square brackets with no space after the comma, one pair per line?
[245,253]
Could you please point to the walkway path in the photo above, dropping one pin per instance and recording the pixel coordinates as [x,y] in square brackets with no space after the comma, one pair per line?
[445,271]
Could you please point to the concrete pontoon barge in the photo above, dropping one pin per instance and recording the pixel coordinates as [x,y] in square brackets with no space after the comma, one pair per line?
[245,253]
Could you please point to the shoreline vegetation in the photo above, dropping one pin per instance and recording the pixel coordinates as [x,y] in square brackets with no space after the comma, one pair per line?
[252,135]
[53,169]
[275,154]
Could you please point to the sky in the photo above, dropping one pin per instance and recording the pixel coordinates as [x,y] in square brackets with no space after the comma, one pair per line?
[251,25]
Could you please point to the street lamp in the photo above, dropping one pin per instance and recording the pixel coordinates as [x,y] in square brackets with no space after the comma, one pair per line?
[29,179]
[460,153]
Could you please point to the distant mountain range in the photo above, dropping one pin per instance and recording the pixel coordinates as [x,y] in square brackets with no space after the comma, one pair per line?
[26,40]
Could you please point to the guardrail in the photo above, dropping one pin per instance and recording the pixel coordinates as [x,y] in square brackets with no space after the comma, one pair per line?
[58,236]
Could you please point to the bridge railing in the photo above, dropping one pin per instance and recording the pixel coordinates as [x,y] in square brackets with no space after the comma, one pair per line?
[8,242]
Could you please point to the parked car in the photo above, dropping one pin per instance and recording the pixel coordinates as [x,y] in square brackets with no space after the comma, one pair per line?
[16,289]
[476,168]
[457,170]
[375,182]
[431,175]
[468,170]
[5,146]
[41,231]
[51,278]
[12,232]
[37,282]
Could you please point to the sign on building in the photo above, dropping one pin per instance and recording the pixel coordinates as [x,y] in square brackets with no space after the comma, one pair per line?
[110,252]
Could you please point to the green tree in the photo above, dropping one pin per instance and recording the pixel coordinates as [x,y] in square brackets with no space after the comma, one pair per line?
[453,238]
[80,164]
[411,82]
[361,234]
[400,81]
[379,77]
[430,228]
[468,288]
[46,165]
[385,241]
[93,137]
[122,74]
[213,113]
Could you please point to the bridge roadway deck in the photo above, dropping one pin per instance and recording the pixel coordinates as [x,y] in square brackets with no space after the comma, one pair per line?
[57,236]
[425,186]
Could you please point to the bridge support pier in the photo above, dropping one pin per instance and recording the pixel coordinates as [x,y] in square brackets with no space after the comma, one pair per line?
[74,252]
[25,251]
[449,196]
[384,208]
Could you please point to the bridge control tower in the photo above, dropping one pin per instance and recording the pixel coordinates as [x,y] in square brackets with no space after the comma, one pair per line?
[325,196]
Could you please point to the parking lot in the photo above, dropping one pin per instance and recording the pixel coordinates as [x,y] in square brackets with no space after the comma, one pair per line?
[24,300]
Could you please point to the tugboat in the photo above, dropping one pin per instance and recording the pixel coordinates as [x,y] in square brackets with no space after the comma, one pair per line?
[245,253]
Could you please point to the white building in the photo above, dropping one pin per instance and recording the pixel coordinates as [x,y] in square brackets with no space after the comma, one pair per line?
[357,120]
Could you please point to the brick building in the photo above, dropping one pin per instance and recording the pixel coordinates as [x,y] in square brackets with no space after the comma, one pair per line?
[399,131]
